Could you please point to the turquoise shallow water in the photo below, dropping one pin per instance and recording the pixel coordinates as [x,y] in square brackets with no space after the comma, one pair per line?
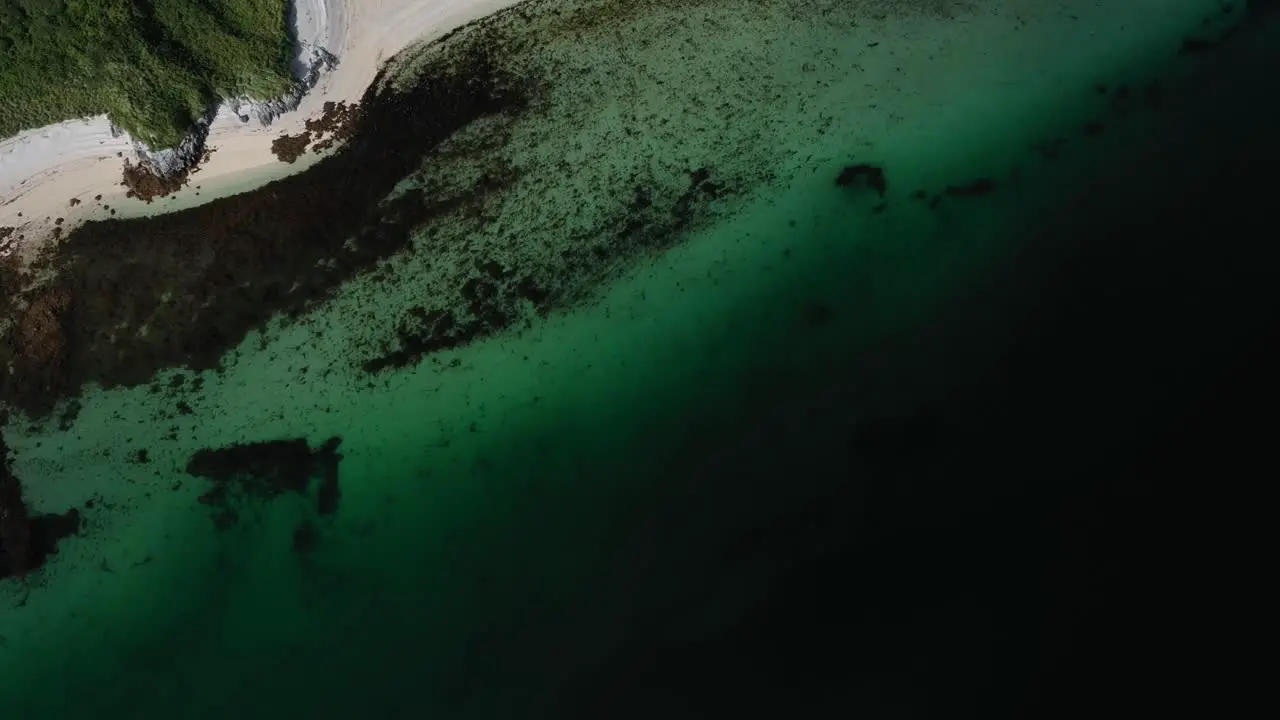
[816,460]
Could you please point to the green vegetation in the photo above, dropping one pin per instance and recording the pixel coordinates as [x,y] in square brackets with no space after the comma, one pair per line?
[154,66]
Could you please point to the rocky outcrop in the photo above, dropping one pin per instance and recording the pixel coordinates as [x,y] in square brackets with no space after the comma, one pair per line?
[169,167]
[312,62]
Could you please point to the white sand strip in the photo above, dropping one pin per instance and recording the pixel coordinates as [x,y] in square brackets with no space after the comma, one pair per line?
[42,170]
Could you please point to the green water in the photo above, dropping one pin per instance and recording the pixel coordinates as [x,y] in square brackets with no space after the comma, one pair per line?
[815,461]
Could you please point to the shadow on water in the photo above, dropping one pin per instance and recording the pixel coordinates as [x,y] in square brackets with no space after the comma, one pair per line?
[1028,523]
[1046,535]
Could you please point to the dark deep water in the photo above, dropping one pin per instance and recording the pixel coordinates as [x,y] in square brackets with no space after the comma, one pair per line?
[1061,521]
[1029,499]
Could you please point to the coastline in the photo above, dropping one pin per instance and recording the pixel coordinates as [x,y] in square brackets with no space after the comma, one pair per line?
[57,177]
[426,443]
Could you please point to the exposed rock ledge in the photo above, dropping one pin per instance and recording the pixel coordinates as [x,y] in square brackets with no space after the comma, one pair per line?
[157,173]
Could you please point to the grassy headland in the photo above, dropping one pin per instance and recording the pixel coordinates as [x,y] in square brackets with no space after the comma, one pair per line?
[154,66]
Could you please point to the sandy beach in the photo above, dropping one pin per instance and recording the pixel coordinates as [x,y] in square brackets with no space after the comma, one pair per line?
[43,170]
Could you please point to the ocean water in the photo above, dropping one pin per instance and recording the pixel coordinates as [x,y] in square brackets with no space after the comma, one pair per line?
[809,450]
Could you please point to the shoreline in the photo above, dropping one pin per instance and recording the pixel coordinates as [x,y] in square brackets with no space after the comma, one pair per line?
[55,178]
[498,127]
